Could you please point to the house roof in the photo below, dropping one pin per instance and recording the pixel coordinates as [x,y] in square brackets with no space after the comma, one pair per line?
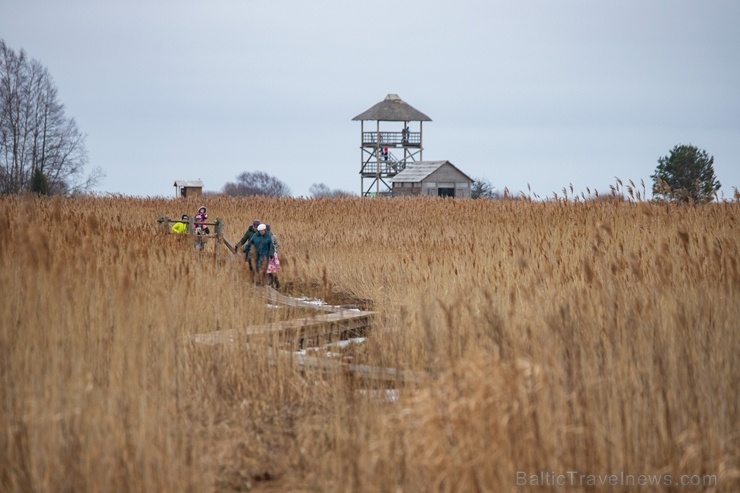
[393,109]
[188,183]
[420,170]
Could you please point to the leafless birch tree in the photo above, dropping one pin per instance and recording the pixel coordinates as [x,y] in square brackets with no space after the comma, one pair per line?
[41,149]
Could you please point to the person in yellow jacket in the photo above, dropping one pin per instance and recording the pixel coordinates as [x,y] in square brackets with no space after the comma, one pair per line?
[181,227]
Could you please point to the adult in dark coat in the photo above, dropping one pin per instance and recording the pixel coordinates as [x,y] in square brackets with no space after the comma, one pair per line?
[251,230]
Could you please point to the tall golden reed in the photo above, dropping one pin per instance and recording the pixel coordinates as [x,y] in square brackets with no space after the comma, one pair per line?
[592,337]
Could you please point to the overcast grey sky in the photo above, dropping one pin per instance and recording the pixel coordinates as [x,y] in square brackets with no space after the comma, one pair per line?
[542,93]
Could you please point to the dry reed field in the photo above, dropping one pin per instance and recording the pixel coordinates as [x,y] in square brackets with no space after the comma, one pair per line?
[579,346]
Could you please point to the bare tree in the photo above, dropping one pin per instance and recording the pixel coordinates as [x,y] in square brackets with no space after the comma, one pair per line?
[322,190]
[256,183]
[38,143]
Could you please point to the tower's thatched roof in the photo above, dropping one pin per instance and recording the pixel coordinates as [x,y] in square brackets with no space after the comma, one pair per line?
[393,109]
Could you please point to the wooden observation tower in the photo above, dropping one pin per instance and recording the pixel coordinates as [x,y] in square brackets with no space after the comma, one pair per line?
[391,144]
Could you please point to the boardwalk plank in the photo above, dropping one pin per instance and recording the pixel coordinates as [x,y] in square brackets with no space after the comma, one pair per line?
[329,325]
[320,327]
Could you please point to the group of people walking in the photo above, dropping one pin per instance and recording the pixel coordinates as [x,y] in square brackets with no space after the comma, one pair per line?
[260,248]
[259,245]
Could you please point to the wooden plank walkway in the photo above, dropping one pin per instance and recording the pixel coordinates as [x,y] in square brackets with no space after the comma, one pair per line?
[366,373]
[338,324]
[273,296]
[313,330]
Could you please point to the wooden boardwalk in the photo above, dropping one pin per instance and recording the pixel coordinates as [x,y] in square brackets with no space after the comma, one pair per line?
[370,374]
[309,331]
[274,296]
[337,323]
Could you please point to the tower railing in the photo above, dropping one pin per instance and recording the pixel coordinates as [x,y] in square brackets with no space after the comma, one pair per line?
[371,168]
[391,138]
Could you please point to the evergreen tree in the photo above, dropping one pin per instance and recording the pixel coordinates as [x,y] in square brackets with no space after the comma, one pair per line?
[482,189]
[39,183]
[686,175]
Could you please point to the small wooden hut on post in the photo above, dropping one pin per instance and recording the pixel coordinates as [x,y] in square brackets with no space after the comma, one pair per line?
[388,149]
[188,188]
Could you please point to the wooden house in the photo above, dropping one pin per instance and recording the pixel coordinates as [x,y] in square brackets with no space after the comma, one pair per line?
[432,178]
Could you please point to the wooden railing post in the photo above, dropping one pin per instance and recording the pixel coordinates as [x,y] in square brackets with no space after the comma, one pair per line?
[218,230]
[165,222]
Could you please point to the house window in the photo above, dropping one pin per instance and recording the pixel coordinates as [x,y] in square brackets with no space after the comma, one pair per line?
[446,192]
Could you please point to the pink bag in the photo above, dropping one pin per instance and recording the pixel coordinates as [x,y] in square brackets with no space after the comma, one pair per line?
[273,265]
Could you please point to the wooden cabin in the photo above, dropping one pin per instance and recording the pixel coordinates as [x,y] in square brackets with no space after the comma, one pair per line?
[432,178]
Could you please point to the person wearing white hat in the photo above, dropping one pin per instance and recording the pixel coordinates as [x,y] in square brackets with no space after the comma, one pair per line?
[264,250]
